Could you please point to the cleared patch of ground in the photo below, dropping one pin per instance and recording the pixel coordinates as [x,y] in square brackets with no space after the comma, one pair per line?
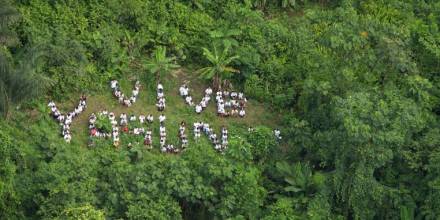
[176,110]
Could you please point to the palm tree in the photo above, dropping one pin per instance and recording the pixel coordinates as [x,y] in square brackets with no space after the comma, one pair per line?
[20,82]
[8,15]
[219,68]
[160,64]
[298,177]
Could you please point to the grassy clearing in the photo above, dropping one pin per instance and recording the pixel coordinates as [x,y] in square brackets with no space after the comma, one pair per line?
[175,111]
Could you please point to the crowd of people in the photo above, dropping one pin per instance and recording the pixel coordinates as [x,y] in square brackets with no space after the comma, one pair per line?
[237,103]
[164,147]
[96,132]
[125,100]
[123,124]
[66,120]
[219,144]
[184,92]
[160,98]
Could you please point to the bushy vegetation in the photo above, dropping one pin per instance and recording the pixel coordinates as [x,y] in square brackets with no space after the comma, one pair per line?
[354,85]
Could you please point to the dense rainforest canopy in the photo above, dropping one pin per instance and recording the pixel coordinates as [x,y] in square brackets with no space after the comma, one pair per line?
[353,86]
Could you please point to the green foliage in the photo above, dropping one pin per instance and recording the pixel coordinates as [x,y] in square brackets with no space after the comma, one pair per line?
[160,64]
[355,84]
[219,69]
[262,143]
[8,194]
[103,124]
[282,209]
[82,213]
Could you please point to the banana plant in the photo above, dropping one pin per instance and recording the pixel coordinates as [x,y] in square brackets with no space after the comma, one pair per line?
[219,65]
[160,64]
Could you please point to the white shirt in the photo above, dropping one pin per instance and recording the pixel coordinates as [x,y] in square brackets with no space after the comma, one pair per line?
[61,118]
[203,104]
[150,118]
[208,91]
[198,108]
[160,86]
[133,99]
[242,112]
[240,95]
[182,91]
[162,118]
[160,95]
[142,118]
[113,84]
[136,131]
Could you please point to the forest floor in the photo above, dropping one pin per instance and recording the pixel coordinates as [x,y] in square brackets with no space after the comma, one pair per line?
[176,110]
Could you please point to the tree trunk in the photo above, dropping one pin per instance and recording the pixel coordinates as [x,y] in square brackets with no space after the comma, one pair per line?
[216,83]
[6,105]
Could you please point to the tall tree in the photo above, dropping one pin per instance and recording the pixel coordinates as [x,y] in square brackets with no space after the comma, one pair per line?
[8,15]
[20,82]
[219,65]
[160,64]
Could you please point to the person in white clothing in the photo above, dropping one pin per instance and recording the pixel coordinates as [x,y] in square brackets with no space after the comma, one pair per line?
[198,109]
[51,104]
[67,138]
[135,92]
[132,99]
[204,103]
[240,95]
[160,94]
[159,86]
[111,116]
[150,118]
[114,84]
[123,119]
[142,119]
[277,134]
[208,91]
[136,131]
[162,118]
[188,100]
[61,118]
[242,113]
[183,90]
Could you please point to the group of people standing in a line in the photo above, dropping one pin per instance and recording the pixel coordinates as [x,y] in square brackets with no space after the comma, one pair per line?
[121,126]
[160,98]
[219,144]
[236,101]
[126,101]
[184,92]
[66,120]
